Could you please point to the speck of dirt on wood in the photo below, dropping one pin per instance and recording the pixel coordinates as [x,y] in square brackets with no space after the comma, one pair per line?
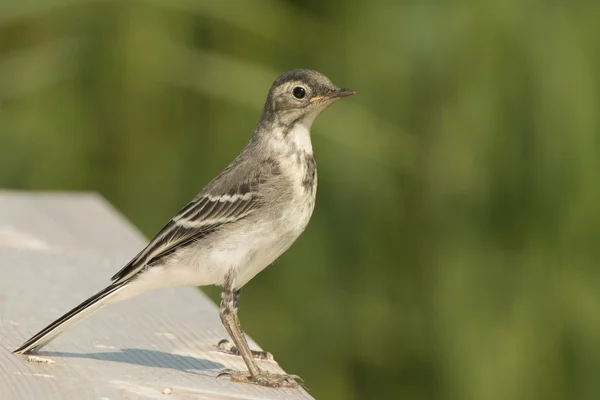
[40,360]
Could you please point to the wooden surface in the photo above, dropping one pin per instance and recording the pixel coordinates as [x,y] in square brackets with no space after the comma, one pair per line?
[55,251]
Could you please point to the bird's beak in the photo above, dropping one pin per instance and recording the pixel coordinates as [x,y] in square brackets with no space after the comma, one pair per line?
[336,94]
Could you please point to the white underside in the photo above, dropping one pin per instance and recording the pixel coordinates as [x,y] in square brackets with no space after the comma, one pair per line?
[244,251]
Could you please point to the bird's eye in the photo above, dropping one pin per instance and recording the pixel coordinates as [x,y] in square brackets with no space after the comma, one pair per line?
[299,92]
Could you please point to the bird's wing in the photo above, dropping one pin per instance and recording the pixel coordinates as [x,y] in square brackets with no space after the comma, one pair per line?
[201,217]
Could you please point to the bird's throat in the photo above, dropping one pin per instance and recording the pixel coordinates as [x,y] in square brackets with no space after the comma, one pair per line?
[298,137]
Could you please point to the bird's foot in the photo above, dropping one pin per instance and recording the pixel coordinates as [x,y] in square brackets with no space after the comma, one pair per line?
[226,346]
[263,378]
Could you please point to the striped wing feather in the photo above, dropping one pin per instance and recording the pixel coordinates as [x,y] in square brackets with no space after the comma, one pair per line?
[198,219]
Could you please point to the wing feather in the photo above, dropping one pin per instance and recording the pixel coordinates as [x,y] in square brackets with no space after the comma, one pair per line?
[198,219]
[221,202]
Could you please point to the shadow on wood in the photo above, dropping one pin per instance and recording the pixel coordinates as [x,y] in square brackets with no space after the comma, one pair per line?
[144,357]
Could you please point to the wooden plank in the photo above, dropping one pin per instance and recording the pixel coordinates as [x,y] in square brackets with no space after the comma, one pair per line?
[56,250]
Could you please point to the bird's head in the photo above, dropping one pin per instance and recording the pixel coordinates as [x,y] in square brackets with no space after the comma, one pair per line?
[299,96]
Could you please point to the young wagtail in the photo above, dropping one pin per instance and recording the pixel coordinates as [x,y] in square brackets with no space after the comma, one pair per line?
[240,222]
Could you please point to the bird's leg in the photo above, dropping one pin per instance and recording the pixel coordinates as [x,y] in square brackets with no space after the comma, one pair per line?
[226,346]
[228,314]
[229,318]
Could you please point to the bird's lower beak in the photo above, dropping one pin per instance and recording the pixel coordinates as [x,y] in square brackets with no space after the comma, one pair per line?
[336,94]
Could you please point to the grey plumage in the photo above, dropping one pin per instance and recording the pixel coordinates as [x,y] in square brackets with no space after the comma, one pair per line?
[239,223]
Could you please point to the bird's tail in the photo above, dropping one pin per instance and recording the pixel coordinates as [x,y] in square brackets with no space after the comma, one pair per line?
[82,311]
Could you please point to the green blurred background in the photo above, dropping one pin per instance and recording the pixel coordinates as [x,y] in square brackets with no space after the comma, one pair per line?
[453,251]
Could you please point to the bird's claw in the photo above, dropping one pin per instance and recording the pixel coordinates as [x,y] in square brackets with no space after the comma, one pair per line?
[225,372]
[263,378]
[226,346]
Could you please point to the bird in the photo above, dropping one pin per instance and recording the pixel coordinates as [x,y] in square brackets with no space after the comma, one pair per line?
[238,224]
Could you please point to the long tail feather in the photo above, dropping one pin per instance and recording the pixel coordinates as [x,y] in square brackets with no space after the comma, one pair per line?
[82,311]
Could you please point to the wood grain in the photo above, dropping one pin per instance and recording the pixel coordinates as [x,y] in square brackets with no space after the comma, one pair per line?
[56,250]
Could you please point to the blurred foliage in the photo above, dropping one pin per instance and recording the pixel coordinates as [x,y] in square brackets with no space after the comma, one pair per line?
[453,252]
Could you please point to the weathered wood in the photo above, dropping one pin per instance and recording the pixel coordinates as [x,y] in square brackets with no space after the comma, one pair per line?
[55,251]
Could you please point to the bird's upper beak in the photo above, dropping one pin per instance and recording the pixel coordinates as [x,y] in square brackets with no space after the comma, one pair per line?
[335,94]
